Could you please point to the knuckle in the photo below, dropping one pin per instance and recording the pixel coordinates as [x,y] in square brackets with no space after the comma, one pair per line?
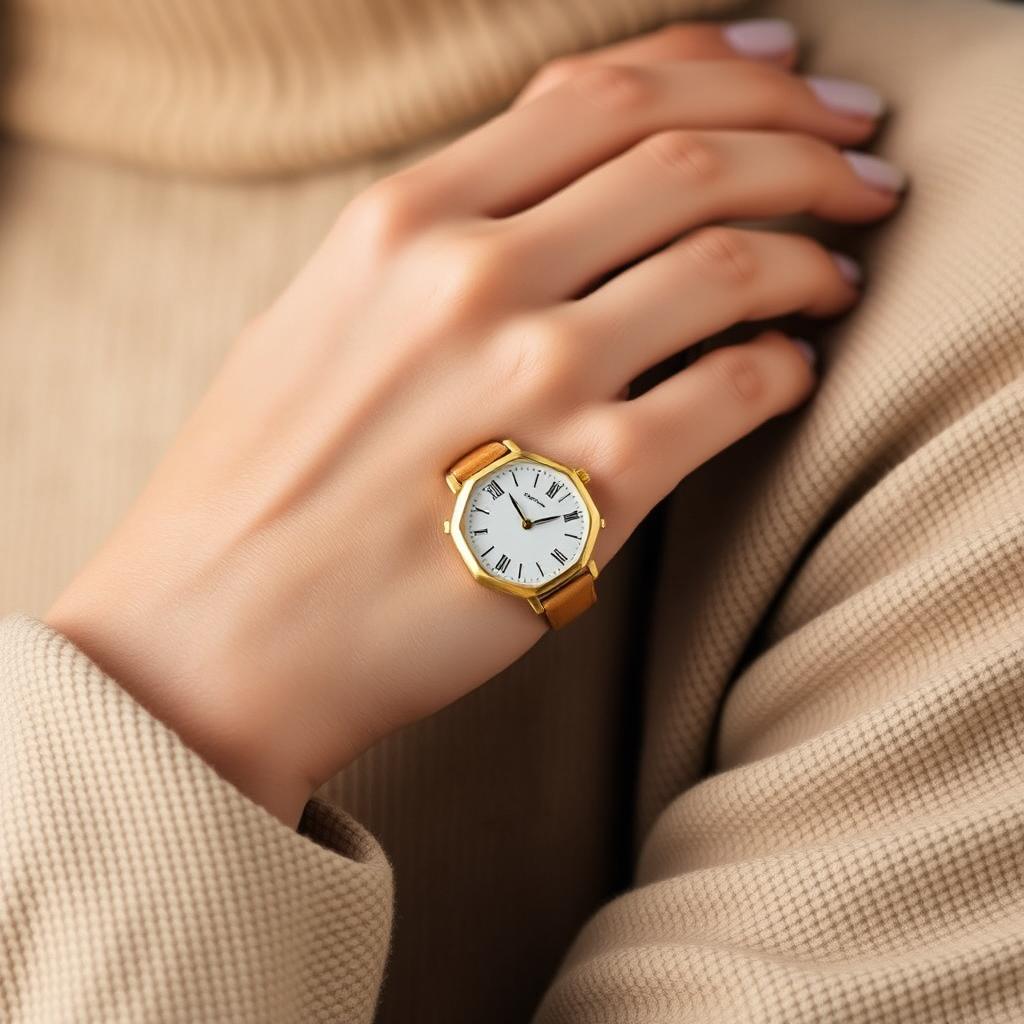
[679,40]
[724,252]
[469,268]
[385,215]
[737,372]
[539,359]
[620,440]
[684,152]
[614,87]
[769,89]
[557,71]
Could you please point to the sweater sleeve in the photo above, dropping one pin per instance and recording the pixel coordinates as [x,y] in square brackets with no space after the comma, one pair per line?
[138,885]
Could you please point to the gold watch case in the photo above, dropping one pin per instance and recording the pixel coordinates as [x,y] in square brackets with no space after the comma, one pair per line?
[532,594]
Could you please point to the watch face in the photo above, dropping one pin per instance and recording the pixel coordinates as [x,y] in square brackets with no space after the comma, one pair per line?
[526,522]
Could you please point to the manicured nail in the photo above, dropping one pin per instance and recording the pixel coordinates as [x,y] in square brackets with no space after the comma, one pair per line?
[846,97]
[849,269]
[876,172]
[807,350]
[761,37]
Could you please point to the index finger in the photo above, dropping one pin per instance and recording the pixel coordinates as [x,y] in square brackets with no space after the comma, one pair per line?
[767,39]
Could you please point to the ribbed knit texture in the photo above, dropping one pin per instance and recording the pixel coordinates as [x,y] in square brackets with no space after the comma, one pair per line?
[268,86]
[829,815]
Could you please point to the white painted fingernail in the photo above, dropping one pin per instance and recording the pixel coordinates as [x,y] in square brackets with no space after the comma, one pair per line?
[849,269]
[876,172]
[846,97]
[761,37]
[807,350]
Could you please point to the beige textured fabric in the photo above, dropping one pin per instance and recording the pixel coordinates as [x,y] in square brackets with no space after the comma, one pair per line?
[828,818]
[135,893]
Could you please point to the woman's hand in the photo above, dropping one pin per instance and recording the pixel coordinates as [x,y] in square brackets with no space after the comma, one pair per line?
[281,593]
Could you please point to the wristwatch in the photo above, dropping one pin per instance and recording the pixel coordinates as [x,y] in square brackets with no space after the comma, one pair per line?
[526,525]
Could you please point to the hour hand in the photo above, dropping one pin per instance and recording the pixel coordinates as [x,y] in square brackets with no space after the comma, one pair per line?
[546,519]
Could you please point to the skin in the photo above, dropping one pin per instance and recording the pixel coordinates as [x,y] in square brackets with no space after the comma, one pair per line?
[281,593]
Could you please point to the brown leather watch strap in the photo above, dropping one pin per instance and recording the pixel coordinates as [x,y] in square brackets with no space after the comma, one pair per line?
[570,600]
[475,460]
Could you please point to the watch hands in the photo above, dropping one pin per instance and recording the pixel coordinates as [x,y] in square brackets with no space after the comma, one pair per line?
[546,519]
[526,522]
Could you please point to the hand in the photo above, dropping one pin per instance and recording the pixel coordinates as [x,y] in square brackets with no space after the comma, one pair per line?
[525,521]
[281,593]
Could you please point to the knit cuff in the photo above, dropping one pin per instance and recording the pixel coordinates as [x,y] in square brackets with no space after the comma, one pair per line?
[137,884]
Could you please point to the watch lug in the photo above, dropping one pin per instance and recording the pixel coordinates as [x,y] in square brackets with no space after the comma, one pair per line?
[592,567]
[510,445]
[453,484]
[535,604]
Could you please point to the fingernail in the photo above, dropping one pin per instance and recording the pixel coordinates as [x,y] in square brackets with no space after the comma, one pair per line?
[846,97]
[761,37]
[876,172]
[807,350]
[849,269]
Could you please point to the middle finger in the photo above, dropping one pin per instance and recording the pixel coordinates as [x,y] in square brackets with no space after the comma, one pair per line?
[677,181]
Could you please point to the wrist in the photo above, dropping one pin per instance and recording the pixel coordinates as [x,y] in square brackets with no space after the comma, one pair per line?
[233,718]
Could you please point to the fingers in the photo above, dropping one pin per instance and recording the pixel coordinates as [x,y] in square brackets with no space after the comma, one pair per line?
[708,281]
[677,181]
[769,39]
[645,446]
[531,151]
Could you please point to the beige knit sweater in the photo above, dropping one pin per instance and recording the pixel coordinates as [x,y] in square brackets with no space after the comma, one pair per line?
[790,789]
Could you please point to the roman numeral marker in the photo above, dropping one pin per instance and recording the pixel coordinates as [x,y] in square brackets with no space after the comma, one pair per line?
[559,557]
[554,489]
[476,533]
[570,516]
[503,563]
[494,489]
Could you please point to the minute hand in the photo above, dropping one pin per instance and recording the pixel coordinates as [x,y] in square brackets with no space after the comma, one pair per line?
[546,519]
[519,510]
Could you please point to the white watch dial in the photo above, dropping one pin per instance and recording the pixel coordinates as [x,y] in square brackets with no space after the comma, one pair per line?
[525,522]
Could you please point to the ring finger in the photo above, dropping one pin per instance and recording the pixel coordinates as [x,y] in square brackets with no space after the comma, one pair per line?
[710,280]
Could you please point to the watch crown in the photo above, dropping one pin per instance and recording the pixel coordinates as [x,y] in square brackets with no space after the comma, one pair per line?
[583,475]
[447,526]
[602,524]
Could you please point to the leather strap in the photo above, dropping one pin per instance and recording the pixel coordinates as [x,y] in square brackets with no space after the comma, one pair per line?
[569,600]
[472,462]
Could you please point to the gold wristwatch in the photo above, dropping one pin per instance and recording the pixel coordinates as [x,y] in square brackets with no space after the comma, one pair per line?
[526,525]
